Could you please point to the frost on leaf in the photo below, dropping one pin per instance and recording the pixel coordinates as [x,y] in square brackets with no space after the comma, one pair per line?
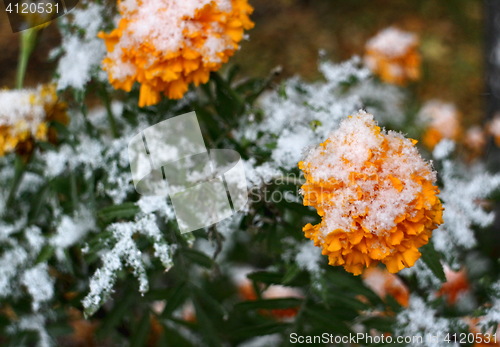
[421,320]
[297,114]
[81,51]
[39,284]
[463,209]
[35,323]
[126,253]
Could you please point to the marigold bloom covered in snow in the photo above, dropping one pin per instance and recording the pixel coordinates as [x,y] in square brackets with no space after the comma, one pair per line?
[375,195]
[443,122]
[167,44]
[25,116]
[384,283]
[393,55]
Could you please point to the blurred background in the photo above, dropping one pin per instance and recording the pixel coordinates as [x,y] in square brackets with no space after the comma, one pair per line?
[290,33]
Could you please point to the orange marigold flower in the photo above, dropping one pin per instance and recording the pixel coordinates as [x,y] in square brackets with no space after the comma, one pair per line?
[393,55]
[246,291]
[167,44]
[25,117]
[443,122]
[375,195]
[455,286]
[384,283]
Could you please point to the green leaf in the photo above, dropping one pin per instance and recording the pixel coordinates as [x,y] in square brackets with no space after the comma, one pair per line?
[45,254]
[171,337]
[269,304]
[317,316]
[259,330]
[433,260]
[175,297]
[215,308]
[125,211]
[117,313]
[291,274]
[207,328]
[62,130]
[266,277]
[141,333]
[198,257]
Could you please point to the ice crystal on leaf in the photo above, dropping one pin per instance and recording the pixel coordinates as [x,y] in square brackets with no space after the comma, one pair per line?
[39,283]
[35,323]
[81,51]
[299,113]
[463,210]
[126,252]
[421,320]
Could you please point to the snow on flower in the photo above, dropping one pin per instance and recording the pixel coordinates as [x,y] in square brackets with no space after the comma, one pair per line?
[393,55]
[443,122]
[167,44]
[25,117]
[375,194]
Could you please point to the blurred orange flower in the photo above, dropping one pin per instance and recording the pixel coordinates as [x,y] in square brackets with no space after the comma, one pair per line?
[393,55]
[456,284]
[375,195]
[246,291]
[384,283]
[167,44]
[475,140]
[443,122]
[278,292]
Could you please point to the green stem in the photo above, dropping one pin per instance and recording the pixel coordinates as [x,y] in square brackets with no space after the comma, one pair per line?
[20,169]
[109,113]
[73,190]
[28,42]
